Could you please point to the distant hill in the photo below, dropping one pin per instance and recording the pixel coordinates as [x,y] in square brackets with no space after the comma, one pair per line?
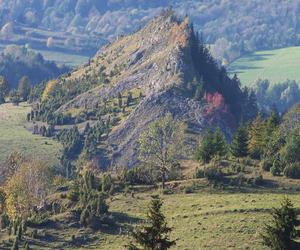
[163,68]
[16,62]
[82,26]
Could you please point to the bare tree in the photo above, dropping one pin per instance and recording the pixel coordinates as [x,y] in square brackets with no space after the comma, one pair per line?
[161,145]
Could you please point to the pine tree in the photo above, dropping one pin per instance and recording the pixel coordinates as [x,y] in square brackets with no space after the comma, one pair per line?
[256,140]
[154,235]
[205,151]
[279,234]
[239,145]
[220,145]
[271,125]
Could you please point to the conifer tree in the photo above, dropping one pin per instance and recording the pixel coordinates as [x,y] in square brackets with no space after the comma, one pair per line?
[154,235]
[239,145]
[256,140]
[220,145]
[279,234]
[120,102]
[212,144]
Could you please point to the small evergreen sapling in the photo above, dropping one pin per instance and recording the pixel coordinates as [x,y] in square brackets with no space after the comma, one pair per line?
[279,234]
[154,235]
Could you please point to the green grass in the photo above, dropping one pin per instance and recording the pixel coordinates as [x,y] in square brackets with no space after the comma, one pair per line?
[15,137]
[64,58]
[276,65]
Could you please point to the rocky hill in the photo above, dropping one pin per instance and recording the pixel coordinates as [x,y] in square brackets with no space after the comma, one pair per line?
[137,79]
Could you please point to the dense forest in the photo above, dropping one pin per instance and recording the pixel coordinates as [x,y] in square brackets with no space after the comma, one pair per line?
[236,27]
[16,62]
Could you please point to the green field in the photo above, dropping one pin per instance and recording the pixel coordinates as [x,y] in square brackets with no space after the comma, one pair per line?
[276,65]
[208,219]
[64,58]
[15,137]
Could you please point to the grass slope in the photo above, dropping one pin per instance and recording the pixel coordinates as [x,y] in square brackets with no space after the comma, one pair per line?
[276,65]
[15,137]
[209,218]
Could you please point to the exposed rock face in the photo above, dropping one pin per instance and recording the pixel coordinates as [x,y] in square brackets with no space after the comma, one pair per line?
[156,60]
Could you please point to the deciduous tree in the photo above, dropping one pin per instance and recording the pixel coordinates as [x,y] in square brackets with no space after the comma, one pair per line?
[161,145]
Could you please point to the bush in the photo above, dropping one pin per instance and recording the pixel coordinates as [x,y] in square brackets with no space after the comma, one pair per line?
[199,173]
[4,221]
[139,175]
[106,183]
[258,180]
[266,165]
[276,168]
[213,174]
[189,189]
[292,171]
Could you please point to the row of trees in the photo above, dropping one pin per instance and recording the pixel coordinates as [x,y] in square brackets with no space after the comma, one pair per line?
[22,92]
[263,139]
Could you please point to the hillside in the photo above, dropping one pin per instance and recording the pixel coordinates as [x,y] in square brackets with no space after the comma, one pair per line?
[137,79]
[275,65]
[16,138]
[81,26]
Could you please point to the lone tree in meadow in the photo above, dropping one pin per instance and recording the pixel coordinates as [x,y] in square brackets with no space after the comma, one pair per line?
[161,145]
[279,234]
[154,235]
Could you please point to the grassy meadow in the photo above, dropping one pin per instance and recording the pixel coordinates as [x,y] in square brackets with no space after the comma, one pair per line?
[208,218]
[68,59]
[15,137]
[276,65]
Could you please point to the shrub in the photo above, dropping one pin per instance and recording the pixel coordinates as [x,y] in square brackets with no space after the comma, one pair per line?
[106,183]
[213,174]
[258,180]
[4,221]
[266,165]
[189,189]
[276,168]
[292,171]
[199,173]
[139,175]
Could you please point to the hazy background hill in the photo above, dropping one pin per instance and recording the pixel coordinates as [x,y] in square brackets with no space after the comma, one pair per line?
[81,26]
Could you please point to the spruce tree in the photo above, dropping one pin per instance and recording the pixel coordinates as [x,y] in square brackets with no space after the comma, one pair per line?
[205,151]
[239,145]
[279,234]
[220,145]
[154,235]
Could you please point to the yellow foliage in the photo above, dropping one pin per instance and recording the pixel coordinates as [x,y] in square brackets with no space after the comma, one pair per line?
[49,88]
[180,33]
[26,188]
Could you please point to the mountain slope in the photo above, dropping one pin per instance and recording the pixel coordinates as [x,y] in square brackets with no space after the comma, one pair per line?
[162,67]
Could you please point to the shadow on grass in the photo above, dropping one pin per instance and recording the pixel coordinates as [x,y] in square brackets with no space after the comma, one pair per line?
[119,223]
